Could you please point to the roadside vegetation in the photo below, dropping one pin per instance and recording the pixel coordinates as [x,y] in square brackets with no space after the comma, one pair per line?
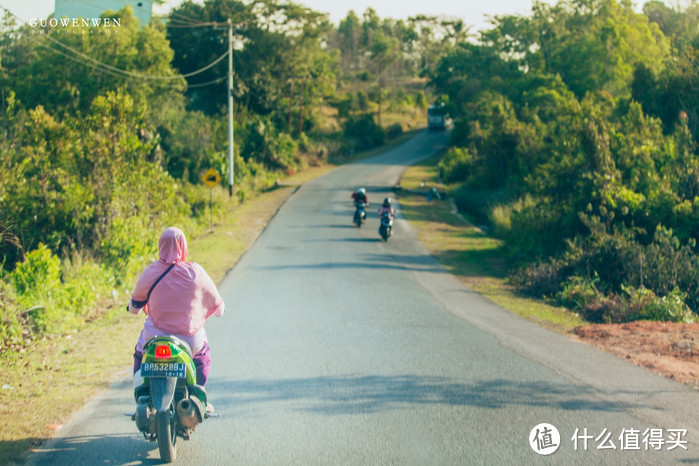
[575,143]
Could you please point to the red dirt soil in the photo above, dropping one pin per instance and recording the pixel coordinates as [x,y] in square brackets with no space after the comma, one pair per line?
[666,348]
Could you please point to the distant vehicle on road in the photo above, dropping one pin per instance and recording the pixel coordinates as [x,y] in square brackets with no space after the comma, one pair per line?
[438,118]
[386,227]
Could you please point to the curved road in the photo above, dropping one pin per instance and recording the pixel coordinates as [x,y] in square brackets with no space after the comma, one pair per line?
[339,349]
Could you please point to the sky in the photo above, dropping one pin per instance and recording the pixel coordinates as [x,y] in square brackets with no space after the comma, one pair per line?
[473,12]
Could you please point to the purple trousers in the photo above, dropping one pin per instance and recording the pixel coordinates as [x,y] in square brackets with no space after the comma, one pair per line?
[202,362]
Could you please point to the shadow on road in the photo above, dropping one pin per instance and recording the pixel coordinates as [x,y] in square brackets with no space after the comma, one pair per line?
[368,264]
[137,447]
[355,394]
[355,240]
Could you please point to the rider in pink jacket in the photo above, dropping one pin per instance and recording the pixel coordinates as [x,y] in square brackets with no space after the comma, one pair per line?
[386,207]
[179,303]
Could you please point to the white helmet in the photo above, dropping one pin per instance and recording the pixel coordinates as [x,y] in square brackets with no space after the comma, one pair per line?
[361,191]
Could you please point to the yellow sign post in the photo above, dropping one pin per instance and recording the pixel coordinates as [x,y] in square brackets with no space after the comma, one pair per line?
[211,178]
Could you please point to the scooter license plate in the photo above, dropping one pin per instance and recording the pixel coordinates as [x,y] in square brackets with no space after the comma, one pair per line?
[164,369]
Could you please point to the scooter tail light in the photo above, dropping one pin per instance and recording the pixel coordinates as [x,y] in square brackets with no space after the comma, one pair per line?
[163,351]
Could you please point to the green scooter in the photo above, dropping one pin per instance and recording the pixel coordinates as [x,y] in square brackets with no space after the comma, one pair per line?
[169,403]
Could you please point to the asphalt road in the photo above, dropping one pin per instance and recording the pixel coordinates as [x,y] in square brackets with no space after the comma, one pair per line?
[340,349]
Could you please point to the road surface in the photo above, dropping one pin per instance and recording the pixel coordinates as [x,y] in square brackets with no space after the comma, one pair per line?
[340,349]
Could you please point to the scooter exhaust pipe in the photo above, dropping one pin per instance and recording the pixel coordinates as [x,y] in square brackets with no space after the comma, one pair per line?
[187,412]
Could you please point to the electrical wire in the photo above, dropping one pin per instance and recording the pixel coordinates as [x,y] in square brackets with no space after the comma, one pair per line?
[130,73]
[209,83]
[189,26]
[189,86]
[89,61]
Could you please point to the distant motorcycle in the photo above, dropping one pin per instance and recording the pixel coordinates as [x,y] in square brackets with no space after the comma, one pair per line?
[360,214]
[386,226]
[169,403]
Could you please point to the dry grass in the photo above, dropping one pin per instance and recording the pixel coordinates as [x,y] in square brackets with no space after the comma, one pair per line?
[43,386]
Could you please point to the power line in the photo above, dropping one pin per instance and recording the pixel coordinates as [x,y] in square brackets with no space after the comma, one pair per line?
[106,71]
[111,69]
[189,26]
[132,74]
[190,86]
[209,83]
[183,20]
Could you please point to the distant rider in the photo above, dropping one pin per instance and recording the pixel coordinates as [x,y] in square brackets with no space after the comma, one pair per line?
[386,207]
[360,199]
[360,196]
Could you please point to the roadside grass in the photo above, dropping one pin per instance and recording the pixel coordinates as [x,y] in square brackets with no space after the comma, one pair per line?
[43,385]
[466,251]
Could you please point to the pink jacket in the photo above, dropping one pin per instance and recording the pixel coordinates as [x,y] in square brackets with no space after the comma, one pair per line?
[390,210]
[185,297]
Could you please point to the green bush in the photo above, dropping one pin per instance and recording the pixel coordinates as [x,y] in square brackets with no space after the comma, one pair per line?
[668,265]
[12,323]
[477,202]
[364,132]
[670,308]
[501,220]
[394,131]
[40,270]
[456,166]
[578,292]
[128,238]
[540,280]
[41,294]
[643,304]
[535,232]
[615,260]
[47,295]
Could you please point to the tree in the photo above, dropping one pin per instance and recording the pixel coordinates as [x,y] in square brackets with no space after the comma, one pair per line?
[592,44]
[384,53]
[679,25]
[348,41]
[273,34]
[64,72]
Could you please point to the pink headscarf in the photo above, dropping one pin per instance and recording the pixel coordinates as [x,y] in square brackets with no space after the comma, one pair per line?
[172,246]
[185,297]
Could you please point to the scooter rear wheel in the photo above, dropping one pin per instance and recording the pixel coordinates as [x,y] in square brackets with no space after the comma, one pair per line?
[167,436]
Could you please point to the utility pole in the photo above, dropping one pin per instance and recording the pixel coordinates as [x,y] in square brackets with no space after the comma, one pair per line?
[230,108]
